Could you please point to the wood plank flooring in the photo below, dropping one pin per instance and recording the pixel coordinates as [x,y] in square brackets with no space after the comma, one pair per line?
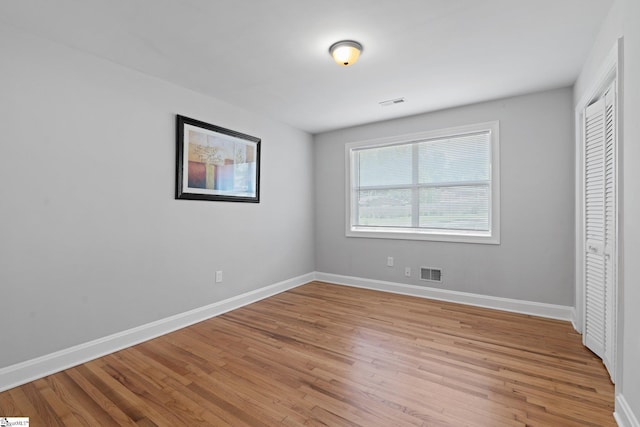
[330,355]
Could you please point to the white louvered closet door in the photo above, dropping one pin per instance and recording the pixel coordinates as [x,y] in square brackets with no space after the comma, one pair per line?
[600,212]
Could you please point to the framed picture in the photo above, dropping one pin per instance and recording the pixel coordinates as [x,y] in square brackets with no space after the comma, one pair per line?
[215,163]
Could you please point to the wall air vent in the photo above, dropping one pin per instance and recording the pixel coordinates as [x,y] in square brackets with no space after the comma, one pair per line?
[392,102]
[431,274]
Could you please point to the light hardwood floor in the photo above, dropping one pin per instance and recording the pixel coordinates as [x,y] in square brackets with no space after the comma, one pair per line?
[323,354]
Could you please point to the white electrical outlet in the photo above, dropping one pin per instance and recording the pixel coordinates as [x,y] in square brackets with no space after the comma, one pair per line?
[218,276]
[390,261]
[407,271]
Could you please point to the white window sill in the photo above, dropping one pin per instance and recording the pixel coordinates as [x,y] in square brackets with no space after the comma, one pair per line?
[426,235]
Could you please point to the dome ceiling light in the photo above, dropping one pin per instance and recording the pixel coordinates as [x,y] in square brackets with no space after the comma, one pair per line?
[345,52]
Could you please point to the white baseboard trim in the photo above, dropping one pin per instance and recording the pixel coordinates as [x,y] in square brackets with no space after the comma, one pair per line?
[30,370]
[624,414]
[551,311]
[574,320]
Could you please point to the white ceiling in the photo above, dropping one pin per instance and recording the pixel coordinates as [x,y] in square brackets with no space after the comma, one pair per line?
[271,56]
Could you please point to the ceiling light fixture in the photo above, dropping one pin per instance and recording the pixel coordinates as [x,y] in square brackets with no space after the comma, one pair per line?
[345,52]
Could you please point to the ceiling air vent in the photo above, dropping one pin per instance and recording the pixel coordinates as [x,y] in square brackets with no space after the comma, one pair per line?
[431,274]
[392,102]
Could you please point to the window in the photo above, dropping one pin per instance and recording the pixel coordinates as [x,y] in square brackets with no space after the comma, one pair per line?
[440,185]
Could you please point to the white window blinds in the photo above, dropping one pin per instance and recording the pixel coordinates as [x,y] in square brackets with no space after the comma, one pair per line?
[435,185]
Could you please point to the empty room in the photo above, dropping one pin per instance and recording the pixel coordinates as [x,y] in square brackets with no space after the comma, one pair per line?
[336,213]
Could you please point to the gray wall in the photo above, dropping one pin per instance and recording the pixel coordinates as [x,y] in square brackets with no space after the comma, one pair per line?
[534,261]
[92,241]
[623,21]
[631,292]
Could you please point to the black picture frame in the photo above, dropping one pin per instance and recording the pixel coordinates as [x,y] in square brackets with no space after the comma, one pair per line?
[216,164]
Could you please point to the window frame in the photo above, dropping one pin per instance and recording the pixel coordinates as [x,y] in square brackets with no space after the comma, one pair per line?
[440,235]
